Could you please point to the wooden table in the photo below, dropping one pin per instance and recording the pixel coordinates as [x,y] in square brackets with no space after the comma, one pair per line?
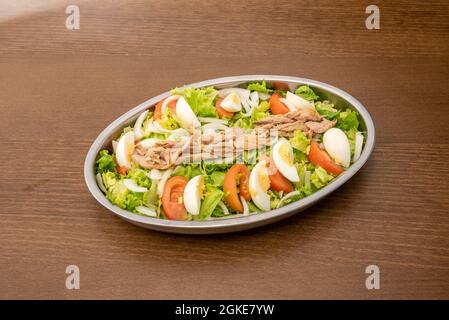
[59,88]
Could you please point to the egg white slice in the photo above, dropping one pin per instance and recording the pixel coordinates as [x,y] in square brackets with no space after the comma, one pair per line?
[185,115]
[232,102]
[124,150]
[283,160]
[193,193]
[337,146]
[259,183]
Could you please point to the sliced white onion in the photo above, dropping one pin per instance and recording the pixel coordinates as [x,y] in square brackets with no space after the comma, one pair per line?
[114,145]
[307,179]
[212,120]
[167,101]
[358,146]
[264,96]
[131,185]
[254,99]
[245,206]
[100,182]
[214,126]
[289,105]
[154,174]
[281,193]
[164,178]
[146,211]
[288,195]
[138,133]
[224,208]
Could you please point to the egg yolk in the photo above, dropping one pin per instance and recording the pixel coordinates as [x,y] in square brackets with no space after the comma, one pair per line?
[234,98]
[129,151]
[264,180]
[284,153]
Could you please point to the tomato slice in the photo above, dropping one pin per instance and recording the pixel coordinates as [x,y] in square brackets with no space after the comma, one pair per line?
[320,158]
[222,113]
[158,110]
[281,86]
[276,106]
[238,173]
[277,181]
[172,198]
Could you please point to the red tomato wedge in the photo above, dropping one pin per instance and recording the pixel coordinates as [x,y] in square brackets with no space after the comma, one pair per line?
[172,198]
[281,86]
[277,181]
[222,113]
[320,158]
[276,106]
[158,110]
[238,173]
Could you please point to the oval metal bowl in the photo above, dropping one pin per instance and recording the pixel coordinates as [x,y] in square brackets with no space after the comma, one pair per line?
[325,91]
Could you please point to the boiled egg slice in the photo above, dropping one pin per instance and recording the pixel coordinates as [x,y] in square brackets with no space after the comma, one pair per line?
[124,149]
[298,102]
[232,102]
[193,193]
[283,160]
[337,146]
[185,115]
[259,183]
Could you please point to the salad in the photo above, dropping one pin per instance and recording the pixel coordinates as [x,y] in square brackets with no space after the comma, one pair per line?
[208,153]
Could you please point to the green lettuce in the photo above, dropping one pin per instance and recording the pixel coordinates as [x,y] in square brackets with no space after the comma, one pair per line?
[259,87]
[261,111]
[212,197]
[217,178]
[351,137]
[188,170]
[326,109]
[138,175]
[119,195]
[105,162]
[151,197]
[306,93]
[300,141]
[109,179]
[168,122]
[200,100]
[348,120]
[320,177]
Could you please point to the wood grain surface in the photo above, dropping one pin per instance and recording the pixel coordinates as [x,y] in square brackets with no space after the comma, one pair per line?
[60,88]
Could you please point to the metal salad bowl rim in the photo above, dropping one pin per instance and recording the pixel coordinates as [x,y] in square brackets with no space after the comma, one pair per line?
[236,223]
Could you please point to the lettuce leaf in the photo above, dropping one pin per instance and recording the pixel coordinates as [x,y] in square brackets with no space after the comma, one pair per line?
[106,162]
[119,195]
[168,122]
[320,177]
[109,179]
[351,137]
[211,199]
[348,120]
[300,141]
[306,93]
[326,109]
[189,170]
[261,111]
[200,100]
[217,178]
[259,87]
[138,175]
